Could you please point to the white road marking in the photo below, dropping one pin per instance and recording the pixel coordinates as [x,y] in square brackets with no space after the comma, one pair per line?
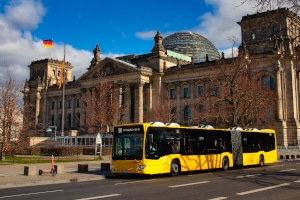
[133,182]
[27,194]
[276,166]
[297,181]
[100,197]
[199,174]
[263,189]
[248,175]
[219,198]
[188,184]
[287,170]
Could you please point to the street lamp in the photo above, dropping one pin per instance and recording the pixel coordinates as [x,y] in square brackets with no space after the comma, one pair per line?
[49,129]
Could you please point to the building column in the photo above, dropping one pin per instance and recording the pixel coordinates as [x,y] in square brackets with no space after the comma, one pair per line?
[280,105]
[139,101]
[37,106]
[295,99]
[178,107]
[73,115]
[148,101]
[298,104]
[127,103]
[192,101]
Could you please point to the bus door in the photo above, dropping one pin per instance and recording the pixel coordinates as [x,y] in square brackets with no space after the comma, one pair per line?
[237,150]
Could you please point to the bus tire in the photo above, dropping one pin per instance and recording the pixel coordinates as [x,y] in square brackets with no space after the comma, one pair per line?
[261,161]
[225,163]
[175,168]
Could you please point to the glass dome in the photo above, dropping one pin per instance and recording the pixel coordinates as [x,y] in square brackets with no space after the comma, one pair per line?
[191,44]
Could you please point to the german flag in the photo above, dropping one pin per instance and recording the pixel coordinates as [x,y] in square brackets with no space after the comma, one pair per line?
[47,43]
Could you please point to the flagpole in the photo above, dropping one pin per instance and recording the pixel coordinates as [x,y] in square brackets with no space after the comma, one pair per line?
[63,100]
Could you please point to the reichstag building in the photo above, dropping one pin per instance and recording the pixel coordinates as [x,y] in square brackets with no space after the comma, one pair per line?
[175,65]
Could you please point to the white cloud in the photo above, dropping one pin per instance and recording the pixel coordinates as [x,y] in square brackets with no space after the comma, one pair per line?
[24,14]
[18,48]
[146,34]
[219,25]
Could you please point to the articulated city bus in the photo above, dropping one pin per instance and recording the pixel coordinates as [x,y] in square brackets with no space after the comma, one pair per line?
[157,148]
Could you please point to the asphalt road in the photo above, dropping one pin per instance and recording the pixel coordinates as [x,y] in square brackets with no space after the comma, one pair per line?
[278,181]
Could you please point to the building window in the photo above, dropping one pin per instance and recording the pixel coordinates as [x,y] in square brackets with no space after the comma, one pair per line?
[52,105]
[78,103]
[200,90]
[275,29]
[53,72]
[186,93]
[269,82]
[264,32]
[217,91]
[69,103]
[187,113]
[172,93]
[60,104]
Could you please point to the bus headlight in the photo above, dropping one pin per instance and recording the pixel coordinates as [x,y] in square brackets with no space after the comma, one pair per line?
[141,167]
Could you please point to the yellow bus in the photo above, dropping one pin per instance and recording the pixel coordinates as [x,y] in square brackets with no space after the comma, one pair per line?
[157,148]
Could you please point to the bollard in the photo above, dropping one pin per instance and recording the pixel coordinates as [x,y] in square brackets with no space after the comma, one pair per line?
[29,170]
[105,166]
[83,167]
[59,169]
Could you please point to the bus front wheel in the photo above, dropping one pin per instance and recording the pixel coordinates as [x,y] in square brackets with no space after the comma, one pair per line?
[175,168]
[225,163]
[261,161]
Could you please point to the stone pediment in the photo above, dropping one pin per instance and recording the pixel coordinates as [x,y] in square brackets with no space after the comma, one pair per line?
[109,67]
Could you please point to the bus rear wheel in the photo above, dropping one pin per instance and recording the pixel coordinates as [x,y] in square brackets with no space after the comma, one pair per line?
[225,163]
[175,168]
[261,161]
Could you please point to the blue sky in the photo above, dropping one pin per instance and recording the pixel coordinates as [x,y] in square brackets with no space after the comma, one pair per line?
[119,27]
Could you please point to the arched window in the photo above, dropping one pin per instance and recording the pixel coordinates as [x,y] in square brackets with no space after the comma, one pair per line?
[269,82]
[187,113]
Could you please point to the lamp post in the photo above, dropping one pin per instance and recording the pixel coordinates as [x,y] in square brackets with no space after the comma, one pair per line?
[49,129]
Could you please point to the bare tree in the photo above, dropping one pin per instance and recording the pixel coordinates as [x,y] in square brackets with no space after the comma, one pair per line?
[162,111]
[10,113]
[237,97]
[263,5]
[104,107]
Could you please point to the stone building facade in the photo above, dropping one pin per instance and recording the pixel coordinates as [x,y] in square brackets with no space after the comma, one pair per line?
[269,38]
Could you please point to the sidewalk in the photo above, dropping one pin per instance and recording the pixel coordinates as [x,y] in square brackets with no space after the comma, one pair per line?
[12,175]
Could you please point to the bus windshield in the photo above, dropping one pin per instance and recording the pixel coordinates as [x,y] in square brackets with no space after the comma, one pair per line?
[128,143]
